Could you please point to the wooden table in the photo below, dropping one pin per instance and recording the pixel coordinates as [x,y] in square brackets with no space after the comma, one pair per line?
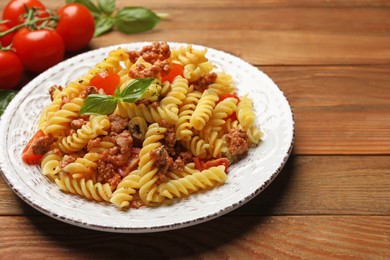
[332,200]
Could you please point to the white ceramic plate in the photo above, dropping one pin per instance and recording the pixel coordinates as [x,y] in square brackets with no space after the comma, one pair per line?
[246,179]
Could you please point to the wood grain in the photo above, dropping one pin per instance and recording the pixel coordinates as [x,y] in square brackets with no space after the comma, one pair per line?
[274,36]
[309,185]
[331,58]
[275,47]
[338,110]
[233,4]
[231,237]
[194,4]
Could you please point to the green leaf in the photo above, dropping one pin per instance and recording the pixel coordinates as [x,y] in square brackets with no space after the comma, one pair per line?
[5,98]
[103,25]
[117,92]
[99,104]
[90,5]
[136,89]
[107,6]
[135,20]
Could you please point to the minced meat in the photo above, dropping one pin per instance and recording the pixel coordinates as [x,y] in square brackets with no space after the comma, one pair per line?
[43,144]
[237,140]
[118,123]
[151,53]
[203,82]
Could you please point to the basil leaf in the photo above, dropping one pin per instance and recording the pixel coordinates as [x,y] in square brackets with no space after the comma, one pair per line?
[118,91]
[98,104]
[107,6]
[5,98]
[136,89]
[135,20]
[103,25]
[90,5]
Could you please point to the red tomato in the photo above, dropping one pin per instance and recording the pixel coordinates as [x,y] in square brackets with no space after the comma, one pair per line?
[28,155]
[15,8]
[217,162]
[40,49]
[108,81]
[10,69]
[176,70]
[5,40]
[76,26]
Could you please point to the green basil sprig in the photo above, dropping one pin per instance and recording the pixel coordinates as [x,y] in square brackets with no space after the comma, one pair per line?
[106,104]
[128,19]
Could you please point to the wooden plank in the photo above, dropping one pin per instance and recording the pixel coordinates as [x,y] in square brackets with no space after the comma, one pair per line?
[338,110]
[285,36]
[326,185]
[370,20]
[274,47]
[226,4]
[194,4]
[308,185]
[340,237]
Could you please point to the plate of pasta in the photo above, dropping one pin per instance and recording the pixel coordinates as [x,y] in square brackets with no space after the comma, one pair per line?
[145,137]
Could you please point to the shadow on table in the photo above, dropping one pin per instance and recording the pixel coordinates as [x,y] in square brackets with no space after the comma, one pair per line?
[212,238]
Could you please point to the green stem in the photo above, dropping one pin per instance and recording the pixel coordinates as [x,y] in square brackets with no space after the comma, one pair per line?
[27,24]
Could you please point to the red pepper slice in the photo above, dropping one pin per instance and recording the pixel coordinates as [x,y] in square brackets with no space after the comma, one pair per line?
[198,164]
[229,95]
[216,162]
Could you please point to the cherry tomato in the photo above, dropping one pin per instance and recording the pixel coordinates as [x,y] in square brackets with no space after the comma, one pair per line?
[28,155]
[216,162]
[10,69]
[76,26]
[108,81]
[15,8]
[175,70]
[38,50]
[5,40]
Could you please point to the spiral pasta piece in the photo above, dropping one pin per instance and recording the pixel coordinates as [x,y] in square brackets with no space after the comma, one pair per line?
[223,84]
[245,114]
[102,146]
[204,109]
[184,129]
[50,164]
[174,99]
[254,135]
[220,114]
[149,112]
[125,190]
[97,125]
[58,123]
[199,180]
[83,167]
[197,146]
[216,145]
[188,55]
[193,72]
[147,169]
[84,188]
